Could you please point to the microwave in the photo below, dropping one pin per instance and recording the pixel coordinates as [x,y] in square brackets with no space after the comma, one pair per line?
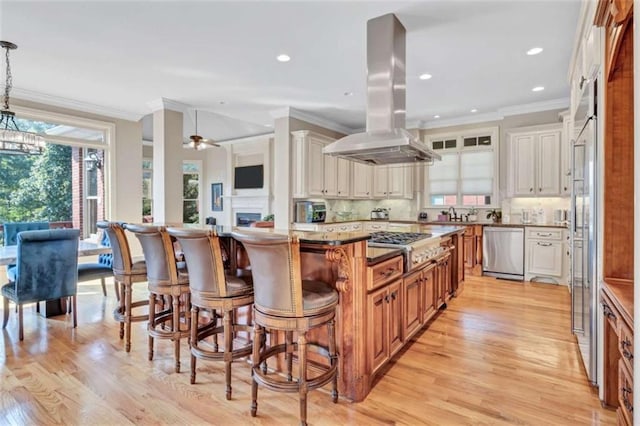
[310,212]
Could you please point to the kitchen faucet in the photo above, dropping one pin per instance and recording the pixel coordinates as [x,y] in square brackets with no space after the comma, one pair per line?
[455,215]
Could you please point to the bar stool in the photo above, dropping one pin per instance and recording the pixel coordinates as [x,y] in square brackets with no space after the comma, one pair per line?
[283,301]
[126,273]
[167,279]
[218,294]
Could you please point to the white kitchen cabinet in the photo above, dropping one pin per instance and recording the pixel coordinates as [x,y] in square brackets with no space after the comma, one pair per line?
[316,174]
[394,181]
[374,226]
[545,258]
[535,162]
[565,153]
[361,180]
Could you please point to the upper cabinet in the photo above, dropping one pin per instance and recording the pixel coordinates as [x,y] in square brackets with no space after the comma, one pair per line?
[394,181]
[361,181]
[316,174]
[535,162]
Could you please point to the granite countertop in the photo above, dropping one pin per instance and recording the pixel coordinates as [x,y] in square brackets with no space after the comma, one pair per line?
[376,255]
[435,222]
[307,237]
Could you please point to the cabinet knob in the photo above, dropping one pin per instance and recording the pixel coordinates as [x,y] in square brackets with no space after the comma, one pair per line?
[539,189]
[530,189]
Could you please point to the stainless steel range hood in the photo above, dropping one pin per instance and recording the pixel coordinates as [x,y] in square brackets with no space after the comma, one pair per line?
[386,141]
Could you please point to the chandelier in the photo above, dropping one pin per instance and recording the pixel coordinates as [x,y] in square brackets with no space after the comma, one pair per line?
[12,139]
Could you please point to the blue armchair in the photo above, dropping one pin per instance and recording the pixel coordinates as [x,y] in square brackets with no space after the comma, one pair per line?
[11,230]
[47,269]
[101,269]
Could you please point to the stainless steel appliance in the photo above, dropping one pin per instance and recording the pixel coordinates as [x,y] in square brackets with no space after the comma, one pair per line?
[380,214]
[503,252]
[423,217]
[418,248]
[583,231]
[310,212]
[386,140]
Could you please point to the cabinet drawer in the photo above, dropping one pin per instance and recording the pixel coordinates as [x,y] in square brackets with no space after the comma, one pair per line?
[544,233]
[610,313]
[625,392]
[625,345]
[384,272]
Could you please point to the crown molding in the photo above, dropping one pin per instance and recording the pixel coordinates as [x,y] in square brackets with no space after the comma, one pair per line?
[252,138]
[560,103]
[29,95]
[310,118]
[165,103]
[500,114]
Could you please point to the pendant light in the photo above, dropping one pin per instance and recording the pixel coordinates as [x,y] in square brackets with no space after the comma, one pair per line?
[12,139]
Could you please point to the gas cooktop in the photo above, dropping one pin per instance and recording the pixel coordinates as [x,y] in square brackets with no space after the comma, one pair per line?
[397,238]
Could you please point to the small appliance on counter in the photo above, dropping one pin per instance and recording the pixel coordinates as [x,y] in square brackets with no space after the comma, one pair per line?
[423,217]
[380,214]
[310,212]
[560,216]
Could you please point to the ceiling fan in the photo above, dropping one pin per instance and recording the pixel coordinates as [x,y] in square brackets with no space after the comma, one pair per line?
[197,142]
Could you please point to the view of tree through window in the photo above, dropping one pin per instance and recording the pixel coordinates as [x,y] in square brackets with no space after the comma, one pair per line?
[190,193]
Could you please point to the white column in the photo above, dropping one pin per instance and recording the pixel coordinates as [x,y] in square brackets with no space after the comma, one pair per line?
[282,203]
[167,161]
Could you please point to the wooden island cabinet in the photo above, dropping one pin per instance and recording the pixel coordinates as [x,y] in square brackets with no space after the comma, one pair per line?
[380,305]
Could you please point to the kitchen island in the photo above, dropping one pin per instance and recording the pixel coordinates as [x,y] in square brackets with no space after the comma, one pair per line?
[380,305]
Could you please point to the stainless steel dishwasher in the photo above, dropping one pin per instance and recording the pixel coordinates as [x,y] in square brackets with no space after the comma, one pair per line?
[503,252]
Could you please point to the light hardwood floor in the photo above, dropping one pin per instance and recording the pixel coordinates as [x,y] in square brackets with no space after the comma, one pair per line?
[502,353]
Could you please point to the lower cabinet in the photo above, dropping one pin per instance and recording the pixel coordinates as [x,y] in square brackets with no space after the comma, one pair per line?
[428,293]
[544,259]
[412,288]
[384,324]
[473,250]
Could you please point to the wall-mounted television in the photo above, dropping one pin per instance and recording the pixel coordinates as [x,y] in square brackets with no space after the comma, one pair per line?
[247,177]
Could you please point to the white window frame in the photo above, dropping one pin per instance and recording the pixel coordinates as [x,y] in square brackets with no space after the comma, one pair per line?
[200,198]
[150,170]
[459,136]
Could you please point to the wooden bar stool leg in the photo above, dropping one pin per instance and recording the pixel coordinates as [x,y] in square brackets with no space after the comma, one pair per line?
[194,341]
[228,349]
[75,311]
[104,286]
[176,330]
[289,353]
[152,323]
[334,357]
[116,289]
[5,312]
[302,381]
[258,333]
[127,317]
[214,318]
[121,308]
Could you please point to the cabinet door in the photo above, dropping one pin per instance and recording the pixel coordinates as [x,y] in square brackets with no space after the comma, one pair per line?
[343,185]
[400,181]
[469,250]
[316,168]
[362,180]
[549,163]
[412,299]
[428,293]
[377,328]
[523,164]
[330,176]
[380,181]
[545,258]
[395,317]
[439,285]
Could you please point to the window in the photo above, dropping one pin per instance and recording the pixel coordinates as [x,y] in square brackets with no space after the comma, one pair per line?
[191,192]
[467,173]
[147,187]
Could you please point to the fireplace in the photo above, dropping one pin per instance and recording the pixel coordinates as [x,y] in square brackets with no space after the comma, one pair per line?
[246,219]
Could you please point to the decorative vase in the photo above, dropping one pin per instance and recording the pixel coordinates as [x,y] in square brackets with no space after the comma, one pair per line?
[443,218]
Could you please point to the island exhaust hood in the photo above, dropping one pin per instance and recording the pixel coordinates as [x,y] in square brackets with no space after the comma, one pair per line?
[386,141]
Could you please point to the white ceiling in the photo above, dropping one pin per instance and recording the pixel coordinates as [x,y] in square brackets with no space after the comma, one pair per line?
[219,57]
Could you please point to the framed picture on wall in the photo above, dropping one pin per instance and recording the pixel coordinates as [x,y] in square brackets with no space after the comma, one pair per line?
[216,197]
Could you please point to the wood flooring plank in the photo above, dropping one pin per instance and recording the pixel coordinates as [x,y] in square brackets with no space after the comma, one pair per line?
[501,353]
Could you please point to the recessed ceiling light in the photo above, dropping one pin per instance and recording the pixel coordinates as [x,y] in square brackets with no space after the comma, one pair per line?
[268,125]
[425,76]
[283,58]
[348,93]
[221,102]
[538,89]
[436,116]
[474,110]
[534,51]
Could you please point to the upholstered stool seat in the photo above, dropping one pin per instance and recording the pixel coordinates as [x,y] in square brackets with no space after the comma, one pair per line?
[126,272]
[215,295]
[284,302]
[168,280]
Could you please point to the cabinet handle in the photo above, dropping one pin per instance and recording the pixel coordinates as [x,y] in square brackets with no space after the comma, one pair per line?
[388,272]
[386,298]
[394,295]
[565,188]
[530,189]
[626,391]
[539,189]
[626,353]
[543,235]
[544,244]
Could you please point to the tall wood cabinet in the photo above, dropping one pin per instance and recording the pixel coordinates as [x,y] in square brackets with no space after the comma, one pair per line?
[617,293]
